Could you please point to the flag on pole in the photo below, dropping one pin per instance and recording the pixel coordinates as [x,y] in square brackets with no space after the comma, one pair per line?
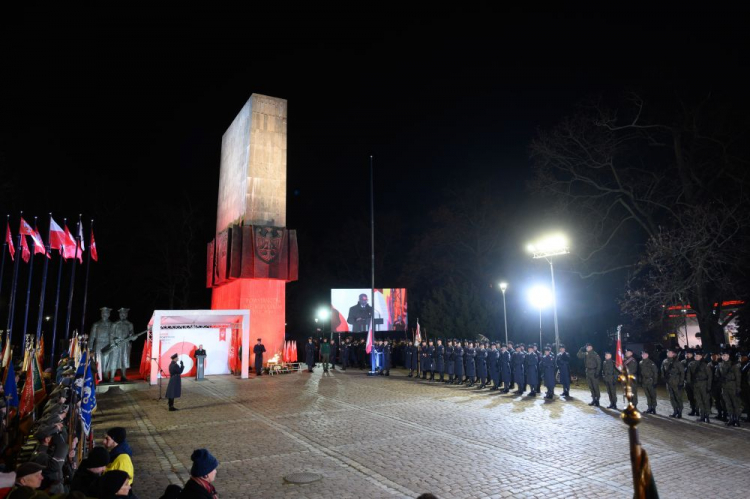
[618,353]
[9,240]
[25,253]
[7,355]
[418,336]
[26,403]
[40,352]
[92,247]
[294,351]
[11,390]
[86,389]
[69,247]
[39,243]
[39,391]
[25,228]
[368,347]
[57,236]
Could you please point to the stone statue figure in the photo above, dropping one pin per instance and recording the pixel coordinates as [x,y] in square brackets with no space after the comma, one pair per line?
[119,357]
[101,337]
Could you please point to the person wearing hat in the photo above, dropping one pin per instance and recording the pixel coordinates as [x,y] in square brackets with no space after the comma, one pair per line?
[531,367]
[259,349]
[120,453]
[609,375]
[631,368]
[51,453]
[101,337]
[688,385]
[114,484]
[202,476]
[745,384]
[593,365]
[549,367]
[493,366]
[28,475]
[673,373]
[86,477]
[458,363]
[438,359]
[325,354]
[649,376]
[174,387]
[731,375]
[387,352]
[481,362]
[310,354]
[504,366]
[519,376]
[511,350]
[699,376]
[470,357]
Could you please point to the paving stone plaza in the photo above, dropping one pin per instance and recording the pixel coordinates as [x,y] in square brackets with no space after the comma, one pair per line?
[377,437]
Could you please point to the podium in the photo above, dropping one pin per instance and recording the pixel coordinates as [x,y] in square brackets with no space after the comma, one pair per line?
[200,367]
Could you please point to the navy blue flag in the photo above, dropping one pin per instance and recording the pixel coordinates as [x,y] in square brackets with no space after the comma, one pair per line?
[11,390]
[88,394]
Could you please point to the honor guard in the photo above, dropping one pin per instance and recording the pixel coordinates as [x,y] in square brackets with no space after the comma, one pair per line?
[549,366]
[593,365]
[699,376]
[518,373]
[649,376]
[458,362]
[609,375]
[631,367]
[439,359]
[674,375]
[471,368]
[532,370]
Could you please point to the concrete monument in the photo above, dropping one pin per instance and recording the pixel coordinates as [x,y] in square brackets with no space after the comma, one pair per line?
[254,255]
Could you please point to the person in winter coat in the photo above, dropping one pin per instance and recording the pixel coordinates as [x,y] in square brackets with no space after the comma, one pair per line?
[174,388]
[202,476]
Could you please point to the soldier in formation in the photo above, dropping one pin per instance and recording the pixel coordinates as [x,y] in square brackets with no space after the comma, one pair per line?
[593,365]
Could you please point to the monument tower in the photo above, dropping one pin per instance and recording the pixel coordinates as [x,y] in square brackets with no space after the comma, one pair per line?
[254,255]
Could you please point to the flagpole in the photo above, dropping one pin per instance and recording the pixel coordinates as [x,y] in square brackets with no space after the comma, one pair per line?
[44,286]
[86,285]
[372,252]
[72,281]
[14,288]
[28,286]
[57,299]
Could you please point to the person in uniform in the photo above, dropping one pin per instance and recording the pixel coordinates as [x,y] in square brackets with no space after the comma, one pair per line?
[593,365]
[458,363]
[674,375]
[344,354]
[387,354]
[439,359]
[745,385]
[716,388]
[699,376]
[423,367]
[325,354]
[511,351]
[532,370]
[493,366]
[689,385]
[505,369]
[407,358]
[563,367]
[649,377]
[518,374]
[259,349]
[609,375]
[731,375]
[332,355]
[450,366]
[631,367]
[549,366]
[470,360]
[414,368]
[481,362]
[540,370]
[174,387]
[310,354]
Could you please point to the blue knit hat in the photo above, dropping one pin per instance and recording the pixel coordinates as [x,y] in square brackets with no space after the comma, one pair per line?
[203,463]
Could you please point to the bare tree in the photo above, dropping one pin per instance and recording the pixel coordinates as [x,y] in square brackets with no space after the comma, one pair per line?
[659,192]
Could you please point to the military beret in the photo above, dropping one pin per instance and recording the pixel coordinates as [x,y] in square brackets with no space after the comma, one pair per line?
[698,352]
[628,349]
[45,431]
[690,351]
[588,345]
[607,353]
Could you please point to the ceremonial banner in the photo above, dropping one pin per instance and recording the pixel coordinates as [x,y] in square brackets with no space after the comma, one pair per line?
[184,342]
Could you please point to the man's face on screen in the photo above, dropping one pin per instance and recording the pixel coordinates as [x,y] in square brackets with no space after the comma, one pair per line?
[362,300]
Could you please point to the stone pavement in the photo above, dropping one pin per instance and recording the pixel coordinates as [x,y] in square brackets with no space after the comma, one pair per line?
[378,437]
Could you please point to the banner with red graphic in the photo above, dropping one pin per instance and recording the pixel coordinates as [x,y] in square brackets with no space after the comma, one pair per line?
[184,342]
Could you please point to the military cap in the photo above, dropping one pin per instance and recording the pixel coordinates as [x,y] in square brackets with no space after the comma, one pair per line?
[607,352]
[698,352]
[547,348]
[45,431]
[105,308]
[672,349]
[123,309]
[174,355]
[628,349]
[644,351]
[725,352]
[27,469]
[520,345]
[690,351]
[562,345]
[588,345]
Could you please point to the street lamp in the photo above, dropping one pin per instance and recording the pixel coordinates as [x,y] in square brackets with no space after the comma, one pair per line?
[503,287]
[322,314]
[546,248]
[540,297]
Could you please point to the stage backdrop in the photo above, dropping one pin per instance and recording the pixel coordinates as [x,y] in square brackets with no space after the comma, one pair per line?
[184,342]
[390,305]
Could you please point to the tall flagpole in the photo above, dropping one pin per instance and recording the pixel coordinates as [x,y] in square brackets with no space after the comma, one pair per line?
[86,285]
[40,317]
[372,251]
[72,281]
[57,299]
[14,288]
[28,286]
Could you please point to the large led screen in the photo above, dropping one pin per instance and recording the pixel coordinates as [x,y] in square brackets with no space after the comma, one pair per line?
[351,310]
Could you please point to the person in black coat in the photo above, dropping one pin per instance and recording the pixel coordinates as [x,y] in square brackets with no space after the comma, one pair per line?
[438,361]
[458,362]
[259,350]
[563,366]
[86,478]
[481,362]
[310,354]
[493,365]
[202,476]
[359,315]
[470,354]
[518,369]
[449,360]
[414,367]
[407,358]
[549,365]
[387,352]
[505,369]
[531,368]
[174,388]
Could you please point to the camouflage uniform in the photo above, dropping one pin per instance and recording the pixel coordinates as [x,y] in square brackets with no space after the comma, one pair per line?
[674,375]
[593,364]
[649,376]
[699,376]
[731,376]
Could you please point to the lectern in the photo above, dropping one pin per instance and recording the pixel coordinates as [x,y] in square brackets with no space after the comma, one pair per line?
[201,363]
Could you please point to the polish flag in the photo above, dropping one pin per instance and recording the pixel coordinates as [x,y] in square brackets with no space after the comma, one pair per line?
[618,353]
[38,243]
[25,228]
[9,240]
[368,348]
[70,248]
[25,253]
[56,236]
[418,337]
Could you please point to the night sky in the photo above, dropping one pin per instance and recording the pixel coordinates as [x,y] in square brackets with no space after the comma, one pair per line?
[118,114]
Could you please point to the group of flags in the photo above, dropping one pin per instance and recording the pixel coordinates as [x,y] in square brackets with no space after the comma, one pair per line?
[289,352]
[33,388]
[59,239]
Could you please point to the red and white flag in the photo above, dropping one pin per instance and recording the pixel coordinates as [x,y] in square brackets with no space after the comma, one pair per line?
[70,248]
[618,353]
[25,228]
[370,335]
[92,247]
[80,238]
[56,236]
[9,240]
[38,243]
[25,253]
[418,336]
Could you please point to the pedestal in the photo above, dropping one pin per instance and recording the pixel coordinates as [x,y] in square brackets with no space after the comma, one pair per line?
[200,367]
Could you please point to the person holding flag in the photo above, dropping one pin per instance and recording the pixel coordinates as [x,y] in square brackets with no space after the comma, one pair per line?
[610,373]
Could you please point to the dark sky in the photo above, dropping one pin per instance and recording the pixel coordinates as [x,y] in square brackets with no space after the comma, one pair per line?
[115,112]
